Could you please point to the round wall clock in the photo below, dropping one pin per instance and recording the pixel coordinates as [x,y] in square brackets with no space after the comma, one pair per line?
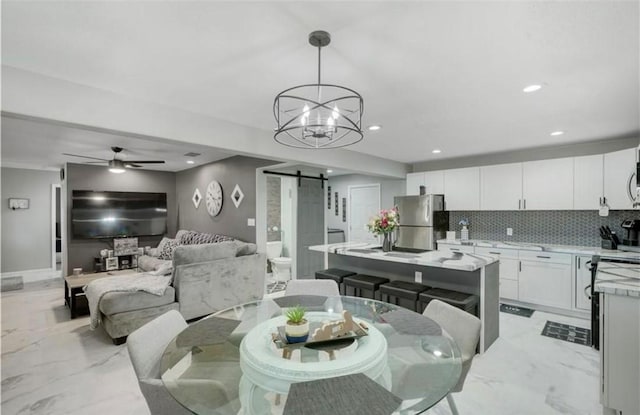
[214,198]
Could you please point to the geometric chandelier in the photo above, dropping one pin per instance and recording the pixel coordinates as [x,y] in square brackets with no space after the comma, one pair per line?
[318,115]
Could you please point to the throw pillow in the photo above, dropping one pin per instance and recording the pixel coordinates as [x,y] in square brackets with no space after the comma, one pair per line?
[166,252]
[180,234]
[197,238]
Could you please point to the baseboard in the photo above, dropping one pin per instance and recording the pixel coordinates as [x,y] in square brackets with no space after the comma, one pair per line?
[33,275]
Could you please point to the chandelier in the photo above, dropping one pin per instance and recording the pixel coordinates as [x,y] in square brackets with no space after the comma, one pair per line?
[318,115]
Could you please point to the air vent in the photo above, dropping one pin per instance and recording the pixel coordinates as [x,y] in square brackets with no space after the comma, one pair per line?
[191,154]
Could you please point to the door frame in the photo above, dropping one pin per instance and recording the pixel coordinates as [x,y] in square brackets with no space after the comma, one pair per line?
[55,186]
[349,189]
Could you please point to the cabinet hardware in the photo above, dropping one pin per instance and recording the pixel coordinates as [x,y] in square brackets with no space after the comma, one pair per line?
[543,257]
[585,291]
[578,262]
[454,249]
[520,265]
[524,203]
[495,253]
[604,200]
[600,201]
[519,203]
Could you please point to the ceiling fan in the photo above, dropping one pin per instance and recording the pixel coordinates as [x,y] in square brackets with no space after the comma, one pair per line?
[117,165]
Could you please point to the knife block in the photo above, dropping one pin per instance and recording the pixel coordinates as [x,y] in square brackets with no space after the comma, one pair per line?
[608,244]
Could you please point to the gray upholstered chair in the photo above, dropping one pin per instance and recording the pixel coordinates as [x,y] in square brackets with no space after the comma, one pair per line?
[327,288]
[146,346]
[464,328]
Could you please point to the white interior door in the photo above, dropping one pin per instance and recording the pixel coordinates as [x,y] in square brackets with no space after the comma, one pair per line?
[364,202]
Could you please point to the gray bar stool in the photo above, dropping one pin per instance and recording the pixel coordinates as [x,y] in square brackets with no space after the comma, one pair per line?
[463,301]
[336,275]
[402,293]
[363,285]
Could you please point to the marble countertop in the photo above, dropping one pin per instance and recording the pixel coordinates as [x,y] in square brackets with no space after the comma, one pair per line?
[567,249]
[618,279]
[440,259]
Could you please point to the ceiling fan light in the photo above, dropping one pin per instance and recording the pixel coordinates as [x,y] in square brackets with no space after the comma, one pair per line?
[116,166]
[116,170]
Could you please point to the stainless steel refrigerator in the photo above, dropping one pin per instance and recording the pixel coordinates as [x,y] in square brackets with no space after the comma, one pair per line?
[423,221]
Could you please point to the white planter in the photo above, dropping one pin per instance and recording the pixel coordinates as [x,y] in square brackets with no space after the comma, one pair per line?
[464,234]
[297,333]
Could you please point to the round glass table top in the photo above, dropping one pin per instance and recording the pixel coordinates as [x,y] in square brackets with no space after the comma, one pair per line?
[238,361]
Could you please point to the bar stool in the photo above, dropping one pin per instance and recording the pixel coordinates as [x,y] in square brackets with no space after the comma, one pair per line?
[402,293]
[463,301]
[363,285]
[336,275]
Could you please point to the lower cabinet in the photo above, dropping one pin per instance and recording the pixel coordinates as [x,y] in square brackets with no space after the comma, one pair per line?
[545,283]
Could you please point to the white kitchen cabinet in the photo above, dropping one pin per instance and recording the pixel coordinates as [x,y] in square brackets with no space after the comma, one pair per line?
[619,357]
[462,189]
[544,282]
[414,181]
[547,184]
[501,187]
[618,168]
[588,182]
[583,282]
[508,269]
[434,182]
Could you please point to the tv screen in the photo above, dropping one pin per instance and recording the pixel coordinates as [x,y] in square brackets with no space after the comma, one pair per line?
[115,214]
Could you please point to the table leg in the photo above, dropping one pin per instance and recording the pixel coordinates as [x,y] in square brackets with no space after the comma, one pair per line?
[286,354]
[73,304]
[66,294]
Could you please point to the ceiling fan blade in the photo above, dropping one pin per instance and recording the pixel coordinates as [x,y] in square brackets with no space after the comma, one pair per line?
[131,165]
[86,157]
[144,161]
[96,162]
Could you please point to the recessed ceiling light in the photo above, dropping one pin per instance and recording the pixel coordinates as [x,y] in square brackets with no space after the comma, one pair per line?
[374,127]
[329,171]
[557,133]
[190,162]
[532,88]
[436,151]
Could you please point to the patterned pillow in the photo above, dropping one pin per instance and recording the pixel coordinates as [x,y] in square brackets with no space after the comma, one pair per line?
[197,238]
[180,234]
[166,249]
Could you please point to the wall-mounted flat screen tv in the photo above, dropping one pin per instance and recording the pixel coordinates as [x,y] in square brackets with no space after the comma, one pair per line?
[115,214]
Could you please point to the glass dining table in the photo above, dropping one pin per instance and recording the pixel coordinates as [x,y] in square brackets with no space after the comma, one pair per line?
[237,361]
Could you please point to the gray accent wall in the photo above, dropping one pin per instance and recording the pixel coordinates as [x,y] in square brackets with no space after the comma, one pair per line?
[26,233]
[563,227]
[80,252]
[531,154]
[389,188]
[231,221]
[310,228]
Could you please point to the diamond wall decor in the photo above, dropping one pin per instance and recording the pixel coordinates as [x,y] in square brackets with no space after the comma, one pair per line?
[196,198]
[237,196]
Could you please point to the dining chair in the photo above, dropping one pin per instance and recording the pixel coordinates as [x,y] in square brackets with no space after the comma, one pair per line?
[464,329]
[146,346]
[328,288]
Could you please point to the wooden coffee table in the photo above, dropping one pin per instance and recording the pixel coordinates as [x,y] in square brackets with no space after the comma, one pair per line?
[73,285]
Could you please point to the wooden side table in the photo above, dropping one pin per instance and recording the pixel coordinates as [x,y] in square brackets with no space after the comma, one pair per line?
[73,285]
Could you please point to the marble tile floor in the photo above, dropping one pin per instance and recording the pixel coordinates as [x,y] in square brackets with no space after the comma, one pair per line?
[54,365]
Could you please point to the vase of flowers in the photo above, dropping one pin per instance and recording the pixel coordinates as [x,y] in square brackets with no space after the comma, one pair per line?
[464,233]
[384,223]
[297,327]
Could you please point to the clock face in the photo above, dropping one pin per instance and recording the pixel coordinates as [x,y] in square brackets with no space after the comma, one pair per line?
[214,198]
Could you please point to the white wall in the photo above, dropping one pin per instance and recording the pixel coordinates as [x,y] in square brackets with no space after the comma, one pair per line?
[26,234]
[388,189]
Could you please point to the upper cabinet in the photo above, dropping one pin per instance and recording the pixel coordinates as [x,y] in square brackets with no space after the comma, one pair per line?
[588,182]
[434,181]
[501,187]
[547,184]
[462,189]
[618,168]
[414,181]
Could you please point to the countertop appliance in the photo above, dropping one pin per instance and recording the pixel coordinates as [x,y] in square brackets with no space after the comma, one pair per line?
[423,221]
[595,297]
[632,226]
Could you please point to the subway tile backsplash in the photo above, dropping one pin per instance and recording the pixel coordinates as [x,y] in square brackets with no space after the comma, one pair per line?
[563,227]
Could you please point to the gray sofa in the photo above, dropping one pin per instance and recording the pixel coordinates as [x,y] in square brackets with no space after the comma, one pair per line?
[206,278]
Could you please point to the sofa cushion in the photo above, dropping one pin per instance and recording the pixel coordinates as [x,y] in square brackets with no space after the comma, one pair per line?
[166,248]
[119,302]
[189,254]
[196,238]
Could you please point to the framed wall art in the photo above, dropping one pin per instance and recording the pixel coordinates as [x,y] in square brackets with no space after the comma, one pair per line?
[337,201]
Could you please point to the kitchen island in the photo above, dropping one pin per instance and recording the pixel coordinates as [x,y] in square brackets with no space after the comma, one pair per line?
[468,273]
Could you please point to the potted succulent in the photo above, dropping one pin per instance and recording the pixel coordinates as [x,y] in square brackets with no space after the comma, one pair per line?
[297,327]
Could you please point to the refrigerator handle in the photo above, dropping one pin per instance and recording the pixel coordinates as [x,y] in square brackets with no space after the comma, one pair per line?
[426,211]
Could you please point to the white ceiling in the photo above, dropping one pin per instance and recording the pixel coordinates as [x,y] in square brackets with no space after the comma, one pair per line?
[445,75]
[35,144]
